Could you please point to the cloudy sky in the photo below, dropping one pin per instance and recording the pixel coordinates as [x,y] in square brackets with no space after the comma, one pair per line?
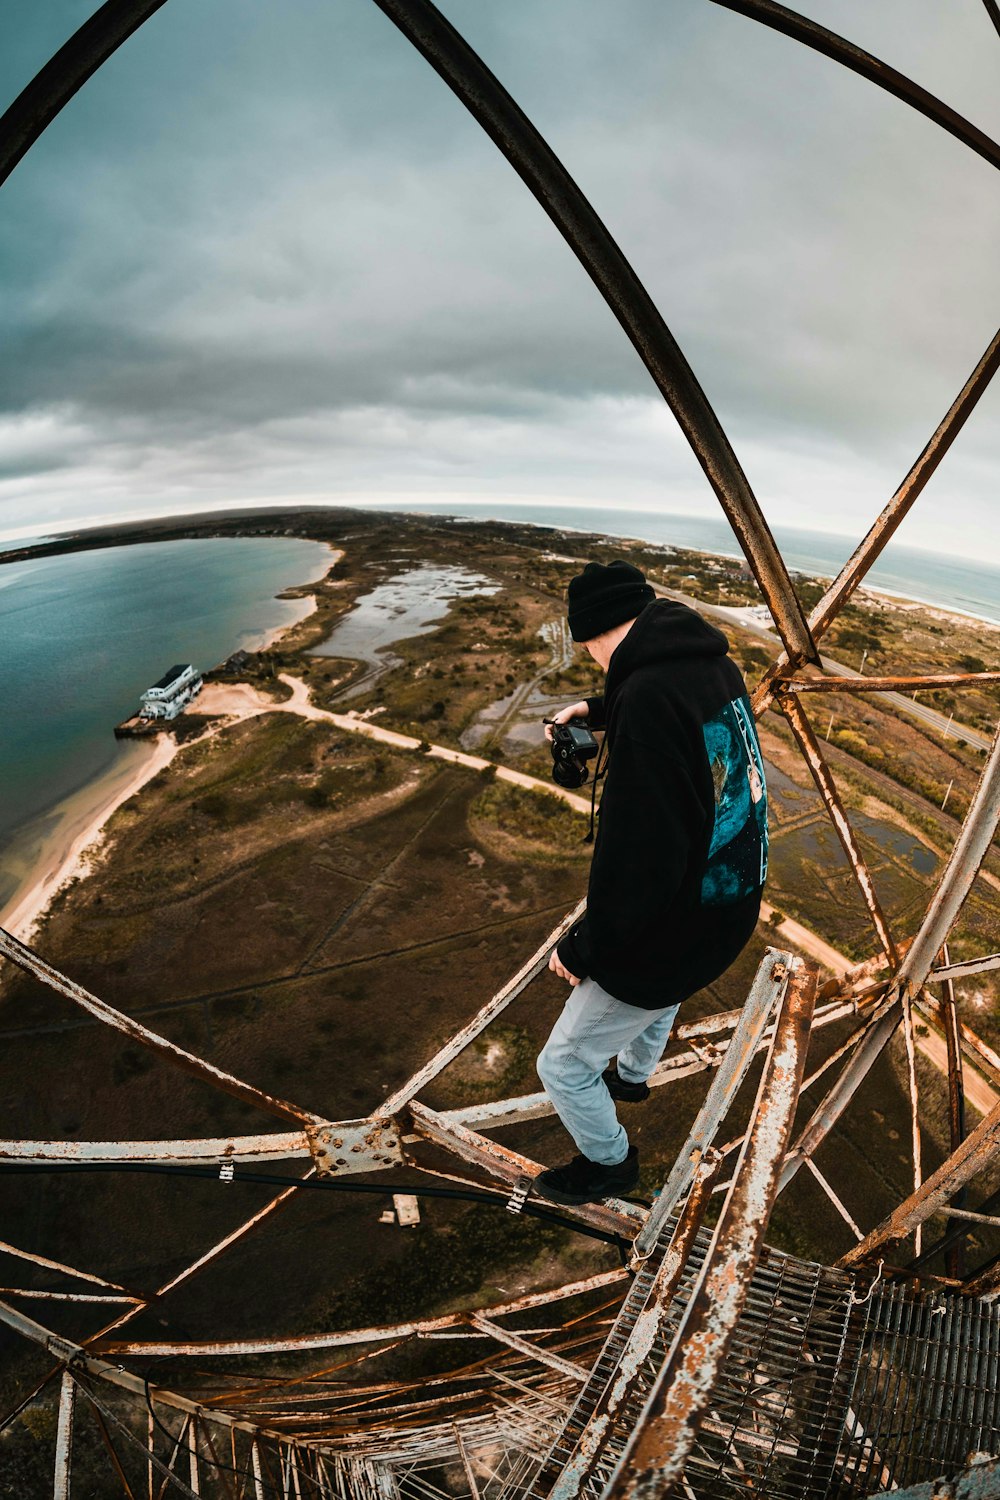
[265,255]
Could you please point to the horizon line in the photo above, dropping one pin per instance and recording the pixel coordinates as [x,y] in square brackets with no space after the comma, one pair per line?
[55,528]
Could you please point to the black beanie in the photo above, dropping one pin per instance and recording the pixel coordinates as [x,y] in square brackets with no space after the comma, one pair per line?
[602,597]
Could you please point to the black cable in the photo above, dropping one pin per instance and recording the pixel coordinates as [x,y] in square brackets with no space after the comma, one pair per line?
[321,1184]
[212,1460]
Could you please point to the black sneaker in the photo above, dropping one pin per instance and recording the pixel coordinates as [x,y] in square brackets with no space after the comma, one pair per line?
[584,1181]
[620,1088]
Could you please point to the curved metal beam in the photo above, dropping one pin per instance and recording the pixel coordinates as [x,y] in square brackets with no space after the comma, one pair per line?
[65,74]
[867,552]
[840,50]
[543,173]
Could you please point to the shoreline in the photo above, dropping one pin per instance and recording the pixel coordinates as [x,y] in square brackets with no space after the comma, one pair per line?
[300,520]
[67,852]
[894,595]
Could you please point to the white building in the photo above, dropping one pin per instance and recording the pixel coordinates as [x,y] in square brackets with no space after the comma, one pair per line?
[175,689]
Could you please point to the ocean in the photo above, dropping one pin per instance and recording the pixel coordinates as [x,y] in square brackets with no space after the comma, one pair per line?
[83,634]
[955,583]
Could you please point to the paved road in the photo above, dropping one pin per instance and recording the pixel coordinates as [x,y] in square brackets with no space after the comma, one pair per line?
[921,711]
[556,633]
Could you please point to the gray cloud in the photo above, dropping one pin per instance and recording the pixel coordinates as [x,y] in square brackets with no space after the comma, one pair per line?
[264,252]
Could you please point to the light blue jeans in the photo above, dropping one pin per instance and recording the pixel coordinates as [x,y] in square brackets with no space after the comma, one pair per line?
[592,1028]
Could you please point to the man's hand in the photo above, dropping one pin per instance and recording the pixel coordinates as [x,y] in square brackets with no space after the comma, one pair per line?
[558,967]
[575,711]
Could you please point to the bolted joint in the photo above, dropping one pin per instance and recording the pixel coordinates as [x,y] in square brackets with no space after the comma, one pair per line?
[340,1147]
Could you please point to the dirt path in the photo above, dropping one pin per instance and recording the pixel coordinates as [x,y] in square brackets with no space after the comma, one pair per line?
[241,701]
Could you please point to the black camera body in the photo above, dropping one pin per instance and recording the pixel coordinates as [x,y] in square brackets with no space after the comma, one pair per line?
[572,746]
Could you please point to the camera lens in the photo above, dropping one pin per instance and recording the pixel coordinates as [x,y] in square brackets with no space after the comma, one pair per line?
[568,773]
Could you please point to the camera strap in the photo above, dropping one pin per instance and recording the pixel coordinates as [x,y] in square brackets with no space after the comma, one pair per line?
[600,770]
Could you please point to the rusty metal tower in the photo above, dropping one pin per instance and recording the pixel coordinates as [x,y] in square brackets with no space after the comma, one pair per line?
[709,1364]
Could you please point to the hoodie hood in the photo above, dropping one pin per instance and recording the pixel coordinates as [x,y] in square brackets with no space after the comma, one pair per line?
[664,631]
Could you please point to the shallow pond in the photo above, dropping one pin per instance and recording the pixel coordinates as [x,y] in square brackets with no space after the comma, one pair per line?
[405,605]
[408,604]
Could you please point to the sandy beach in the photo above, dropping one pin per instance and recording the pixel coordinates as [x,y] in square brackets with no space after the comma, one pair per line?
[65,851]
[70,835]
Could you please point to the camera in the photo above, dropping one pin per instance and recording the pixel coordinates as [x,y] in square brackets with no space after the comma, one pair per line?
[572,746]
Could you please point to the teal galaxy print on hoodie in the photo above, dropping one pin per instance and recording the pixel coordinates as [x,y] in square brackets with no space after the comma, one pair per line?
[737,856]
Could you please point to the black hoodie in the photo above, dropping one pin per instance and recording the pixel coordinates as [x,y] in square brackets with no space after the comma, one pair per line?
[681,849]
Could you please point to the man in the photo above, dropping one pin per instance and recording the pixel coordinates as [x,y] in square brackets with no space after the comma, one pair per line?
[679,861]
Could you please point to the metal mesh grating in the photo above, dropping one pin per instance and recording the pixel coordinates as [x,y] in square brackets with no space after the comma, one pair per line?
[926,1393]
[825,1392]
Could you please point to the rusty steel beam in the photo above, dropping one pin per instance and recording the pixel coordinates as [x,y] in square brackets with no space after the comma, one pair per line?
[974,1155]
[611,1214]
[875,1038]
[911,1073]
[812,754]
[62,1479]
[886,684]
[985,1282]
[197,1152]
[524,1346]
[57,1265]
[540,169]
[26,1291]
[894,513]
[979,1053]
[810,34]
[470,1477]
[974,1218]
[102,1428]
[205,1259]
[447,1324]
[493,1008]
[837,1202]
[956,881]
[30,962]
[955,1254]
[66,72]
[591,1445]
[657,1450]
[769,985]
[948,972]
[84,1363]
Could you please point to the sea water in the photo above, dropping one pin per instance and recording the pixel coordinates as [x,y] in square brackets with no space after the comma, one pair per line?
[83,634]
